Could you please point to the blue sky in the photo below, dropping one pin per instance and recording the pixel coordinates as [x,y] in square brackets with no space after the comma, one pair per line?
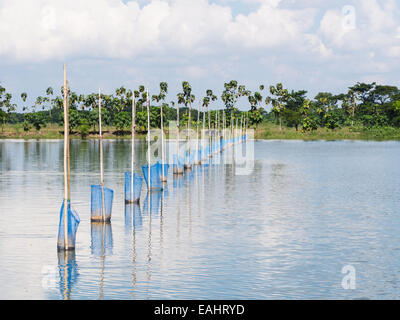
[313,45]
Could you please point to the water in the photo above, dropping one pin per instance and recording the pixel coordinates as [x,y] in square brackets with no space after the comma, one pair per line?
[285,231]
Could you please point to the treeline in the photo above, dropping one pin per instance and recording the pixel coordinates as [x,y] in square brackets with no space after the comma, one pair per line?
[363,105]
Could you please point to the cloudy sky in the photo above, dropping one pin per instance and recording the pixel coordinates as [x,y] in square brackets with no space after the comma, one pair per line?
[316,45]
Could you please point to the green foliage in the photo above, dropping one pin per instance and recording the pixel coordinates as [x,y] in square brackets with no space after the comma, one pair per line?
[363,106]
[232,92]
[37,119]
[255,117]
[84,127]
[122,120]
[331,120]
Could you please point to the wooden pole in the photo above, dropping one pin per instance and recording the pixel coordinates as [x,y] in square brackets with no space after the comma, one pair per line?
[148,138]
[204,130]
[164,178]
[65,161]
[197,137]
[68,147]
[133,143]
[178,151]
[101,162]
[189,126]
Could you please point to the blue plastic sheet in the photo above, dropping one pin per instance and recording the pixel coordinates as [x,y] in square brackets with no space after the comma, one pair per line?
[98,213]
[163,174]
[72,227]
[154,183]
[137,187]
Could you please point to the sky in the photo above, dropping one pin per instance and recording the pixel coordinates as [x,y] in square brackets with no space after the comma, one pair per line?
[315,45]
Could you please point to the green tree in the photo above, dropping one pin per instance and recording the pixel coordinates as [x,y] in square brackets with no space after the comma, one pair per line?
[122,120]
[278,99]
[232,92]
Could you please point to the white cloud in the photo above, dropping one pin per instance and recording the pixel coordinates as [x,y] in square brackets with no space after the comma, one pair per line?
[47,29]
[301,43]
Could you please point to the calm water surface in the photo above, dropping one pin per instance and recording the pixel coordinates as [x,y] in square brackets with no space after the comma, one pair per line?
[283,232]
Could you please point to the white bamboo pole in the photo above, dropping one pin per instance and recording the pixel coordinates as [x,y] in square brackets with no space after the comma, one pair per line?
[197,137]
[68,147]
[101,161]
[164,178]
[204,131]
[148,137]
[178,142]
[66,140]
[133,143]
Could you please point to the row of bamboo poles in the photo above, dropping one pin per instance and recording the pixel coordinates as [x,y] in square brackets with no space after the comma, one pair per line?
[68,223]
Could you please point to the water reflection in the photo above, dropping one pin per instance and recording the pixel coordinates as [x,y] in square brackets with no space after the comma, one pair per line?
[151,205]
[101,245]
[283,231]
[68,273]
[133,216]
[101,238]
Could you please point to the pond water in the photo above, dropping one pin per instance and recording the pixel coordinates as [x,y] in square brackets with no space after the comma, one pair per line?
[285,230]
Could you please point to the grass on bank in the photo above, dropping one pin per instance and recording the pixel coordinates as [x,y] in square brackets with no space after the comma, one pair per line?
[54,131]
[269,131]
[266,131]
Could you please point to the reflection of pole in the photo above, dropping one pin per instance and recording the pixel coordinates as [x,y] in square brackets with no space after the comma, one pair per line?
[149,241]
[66,291]
[161,221]
[66,140]
[103,232]
[133,250]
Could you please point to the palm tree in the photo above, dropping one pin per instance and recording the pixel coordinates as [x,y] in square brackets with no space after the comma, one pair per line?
[49,93]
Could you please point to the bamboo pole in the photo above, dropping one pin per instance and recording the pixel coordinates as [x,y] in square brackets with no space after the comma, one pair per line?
[197,137]
[163,177]
[148,138]
[65,161]
[101,162]
[68,147]
[204,130]
[177,140]
[189,126]
[133,143]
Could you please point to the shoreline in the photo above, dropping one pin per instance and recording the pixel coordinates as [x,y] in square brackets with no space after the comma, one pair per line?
[265,131]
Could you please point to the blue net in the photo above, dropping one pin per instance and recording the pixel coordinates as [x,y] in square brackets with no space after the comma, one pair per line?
[178,165]
[155,183]
[137,187]
[166,168]
[68,272]
[98,213]
[152,203]
[133,216]
[101,238]
[72,226]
